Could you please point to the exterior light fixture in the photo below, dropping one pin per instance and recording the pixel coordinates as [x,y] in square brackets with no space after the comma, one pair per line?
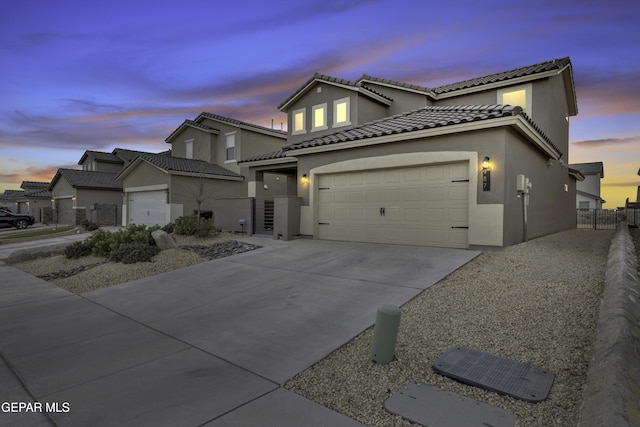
[304,179]
[485,164]
[486,174]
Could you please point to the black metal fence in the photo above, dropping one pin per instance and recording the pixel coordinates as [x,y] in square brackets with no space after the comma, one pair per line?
[606,219]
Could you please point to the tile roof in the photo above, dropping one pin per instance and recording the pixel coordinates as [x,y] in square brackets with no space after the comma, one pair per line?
[241,124]
[329,79]
[128,155]
[88,179]
[279,154]
[366,77]
[179,164]
[43,194]
[34,184]
[423,118]
[529,70]
[593,168]
[191,123]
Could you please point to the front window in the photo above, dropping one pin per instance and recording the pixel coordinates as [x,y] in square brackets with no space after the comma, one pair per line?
[341,112]
[319,115]
[298,122]
[516,95]
[231,146]
[188,147]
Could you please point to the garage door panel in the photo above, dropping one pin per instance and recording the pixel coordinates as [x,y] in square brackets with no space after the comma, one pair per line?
[414,205]
[148,208]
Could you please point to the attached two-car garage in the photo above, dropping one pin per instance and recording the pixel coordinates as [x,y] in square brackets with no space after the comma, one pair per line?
[419,205]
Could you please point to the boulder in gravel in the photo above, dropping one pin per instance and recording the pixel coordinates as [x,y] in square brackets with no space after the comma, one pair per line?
[163,240]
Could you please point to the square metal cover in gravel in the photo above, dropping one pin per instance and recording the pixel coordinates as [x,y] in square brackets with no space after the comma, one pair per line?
[505,376]
[433,407]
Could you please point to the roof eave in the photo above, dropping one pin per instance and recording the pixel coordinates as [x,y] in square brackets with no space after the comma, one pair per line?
[269,162]
[184,125]
[517,122]
[205,175]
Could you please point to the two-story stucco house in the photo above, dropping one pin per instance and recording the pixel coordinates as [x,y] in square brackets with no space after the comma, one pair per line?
[201,173]
[475,163]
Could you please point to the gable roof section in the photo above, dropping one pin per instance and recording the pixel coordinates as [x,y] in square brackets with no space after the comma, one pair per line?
[593,168]
[242,125]
[181,166]
[82,179]
[100,156]
[394,83]
[429,121]
[334,81]
[34,184]
[527,71]
[191,124]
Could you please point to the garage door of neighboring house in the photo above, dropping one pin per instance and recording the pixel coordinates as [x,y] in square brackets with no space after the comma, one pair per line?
[425,205]
[148,208]
[64,211]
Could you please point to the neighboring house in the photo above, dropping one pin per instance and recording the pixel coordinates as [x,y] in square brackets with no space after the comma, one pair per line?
[471,164]
[588,190]
[32,199]
[38,199]
[85,194]
[200,171]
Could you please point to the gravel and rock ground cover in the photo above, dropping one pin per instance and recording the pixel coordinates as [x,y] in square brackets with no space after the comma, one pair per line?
[90,272]
[536,302]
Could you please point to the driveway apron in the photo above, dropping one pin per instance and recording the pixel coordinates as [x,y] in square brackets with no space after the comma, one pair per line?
[211,343]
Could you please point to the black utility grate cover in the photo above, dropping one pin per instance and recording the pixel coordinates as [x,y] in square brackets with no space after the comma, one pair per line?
[505,376]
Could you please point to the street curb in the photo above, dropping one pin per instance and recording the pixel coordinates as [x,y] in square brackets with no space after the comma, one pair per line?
[611,396]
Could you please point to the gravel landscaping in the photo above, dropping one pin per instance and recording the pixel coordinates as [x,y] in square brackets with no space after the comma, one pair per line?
[90,273]
[536,302]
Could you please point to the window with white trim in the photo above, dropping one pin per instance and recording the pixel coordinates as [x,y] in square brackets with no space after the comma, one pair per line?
[230,146]
[341,113]
[517,95]
[298,119]
[188,149]
[319,117]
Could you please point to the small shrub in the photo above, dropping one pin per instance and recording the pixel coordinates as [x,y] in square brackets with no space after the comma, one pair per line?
[130,253]
[103,243]
[193,226]
[169,228]
[77,250]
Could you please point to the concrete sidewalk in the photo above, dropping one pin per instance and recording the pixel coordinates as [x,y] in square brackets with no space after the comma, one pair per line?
[207,345]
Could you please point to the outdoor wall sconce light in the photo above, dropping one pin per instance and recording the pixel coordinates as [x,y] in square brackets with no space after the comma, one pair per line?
[304,179]
[486,174]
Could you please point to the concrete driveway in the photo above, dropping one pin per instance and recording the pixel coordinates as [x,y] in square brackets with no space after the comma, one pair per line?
[207,345]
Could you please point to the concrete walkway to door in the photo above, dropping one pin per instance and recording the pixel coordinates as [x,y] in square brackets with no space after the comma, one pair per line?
[206,345]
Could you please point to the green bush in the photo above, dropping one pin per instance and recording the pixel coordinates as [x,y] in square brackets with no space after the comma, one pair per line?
[77,250]
[130,253]
[169,228]
[193,226]
[103,243]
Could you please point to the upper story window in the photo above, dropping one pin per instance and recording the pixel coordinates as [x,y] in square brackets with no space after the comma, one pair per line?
[319,117]
[516,95]
[341,112]
[188,149]
[298,121]
[230,147]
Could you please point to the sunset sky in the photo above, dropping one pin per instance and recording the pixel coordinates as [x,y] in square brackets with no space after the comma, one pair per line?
[95,75]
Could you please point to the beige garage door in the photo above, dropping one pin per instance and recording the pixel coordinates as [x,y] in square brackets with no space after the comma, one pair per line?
[425,205]
[148,208]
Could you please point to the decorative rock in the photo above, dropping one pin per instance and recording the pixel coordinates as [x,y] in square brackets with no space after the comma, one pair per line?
[163,240]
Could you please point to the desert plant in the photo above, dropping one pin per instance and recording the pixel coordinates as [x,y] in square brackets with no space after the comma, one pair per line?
[77,250]
[130,253]
[193,226]
[103,243]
